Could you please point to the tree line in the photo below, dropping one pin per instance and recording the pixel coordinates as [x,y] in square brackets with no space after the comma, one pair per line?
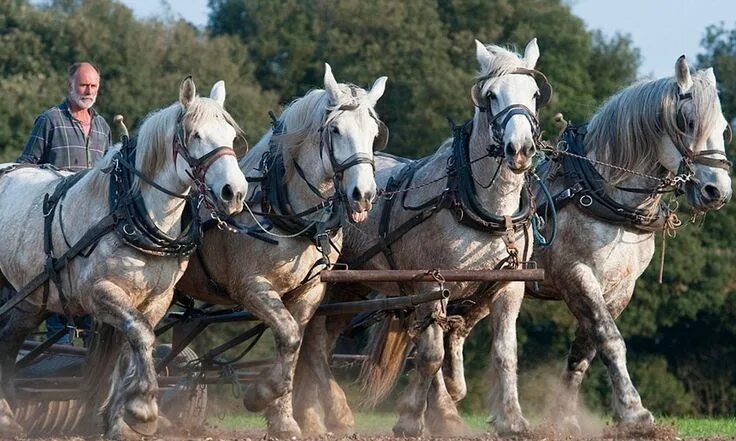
[680,334]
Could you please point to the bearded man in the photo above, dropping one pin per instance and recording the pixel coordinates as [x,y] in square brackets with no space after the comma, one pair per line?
[71,136]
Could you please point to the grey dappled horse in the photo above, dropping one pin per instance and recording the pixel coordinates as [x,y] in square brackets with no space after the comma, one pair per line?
[117,284]
[322,141]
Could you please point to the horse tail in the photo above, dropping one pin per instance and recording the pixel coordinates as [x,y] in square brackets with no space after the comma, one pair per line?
[102,361]
[389,345]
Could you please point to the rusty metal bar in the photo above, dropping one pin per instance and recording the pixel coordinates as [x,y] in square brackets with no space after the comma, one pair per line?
[384,304]
[502,275]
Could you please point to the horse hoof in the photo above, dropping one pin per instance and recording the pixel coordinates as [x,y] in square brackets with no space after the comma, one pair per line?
[408,430]
[142,428]
[568,426]
[285,432]
[639,417]
[511,426]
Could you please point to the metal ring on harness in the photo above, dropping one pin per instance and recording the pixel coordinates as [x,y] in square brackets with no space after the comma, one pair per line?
[126,227]
[586,200]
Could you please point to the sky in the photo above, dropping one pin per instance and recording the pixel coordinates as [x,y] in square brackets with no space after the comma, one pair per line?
[662,29]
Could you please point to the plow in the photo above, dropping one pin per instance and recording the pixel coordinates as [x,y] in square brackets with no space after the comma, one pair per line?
[51,393]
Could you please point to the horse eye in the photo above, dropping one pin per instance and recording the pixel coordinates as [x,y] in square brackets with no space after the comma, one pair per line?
[335,130]
[492,96]
[727,134]
[691,126]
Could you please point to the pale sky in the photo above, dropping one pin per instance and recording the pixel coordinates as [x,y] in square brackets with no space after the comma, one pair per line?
[662,29]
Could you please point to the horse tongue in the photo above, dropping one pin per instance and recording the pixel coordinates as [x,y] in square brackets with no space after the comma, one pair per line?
[358,217]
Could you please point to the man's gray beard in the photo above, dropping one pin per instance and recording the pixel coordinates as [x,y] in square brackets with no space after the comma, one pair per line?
[77,100]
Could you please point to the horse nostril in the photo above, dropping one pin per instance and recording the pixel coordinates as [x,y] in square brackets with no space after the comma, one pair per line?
[357,195]
[712,193]
[510,149]
[227,193]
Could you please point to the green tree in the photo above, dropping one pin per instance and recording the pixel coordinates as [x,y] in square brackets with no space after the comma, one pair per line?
[142,64]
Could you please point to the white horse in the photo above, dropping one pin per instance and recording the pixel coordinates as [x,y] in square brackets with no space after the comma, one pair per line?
[127,287]
[321,150]
[470,220]
[663,128]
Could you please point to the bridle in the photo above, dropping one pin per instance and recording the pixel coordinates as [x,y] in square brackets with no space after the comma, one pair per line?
[689,157]
[327,145]
[198,166]
[499,120]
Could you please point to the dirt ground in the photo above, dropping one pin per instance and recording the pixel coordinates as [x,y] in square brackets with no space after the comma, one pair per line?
[655,433]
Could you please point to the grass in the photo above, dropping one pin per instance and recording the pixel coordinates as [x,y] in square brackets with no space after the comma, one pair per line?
[373,422]
[703,427]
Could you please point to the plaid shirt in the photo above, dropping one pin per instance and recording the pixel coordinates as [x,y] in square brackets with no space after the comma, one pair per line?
[58,139]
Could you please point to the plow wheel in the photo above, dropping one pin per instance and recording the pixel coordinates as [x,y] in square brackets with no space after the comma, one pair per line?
[185,403]
[50,417]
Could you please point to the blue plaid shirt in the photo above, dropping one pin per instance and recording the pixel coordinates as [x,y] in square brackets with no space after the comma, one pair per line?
[58,139]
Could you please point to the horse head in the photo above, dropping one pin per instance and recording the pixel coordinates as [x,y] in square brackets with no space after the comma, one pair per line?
[204,147]
[350,134]
[697,136]
[511,92]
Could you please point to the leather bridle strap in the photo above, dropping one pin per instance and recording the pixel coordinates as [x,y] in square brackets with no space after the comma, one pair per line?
[200,165]
[499,121]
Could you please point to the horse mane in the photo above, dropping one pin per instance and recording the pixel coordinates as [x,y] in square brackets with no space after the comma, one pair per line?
[627,129]
[155,138]
[303,118]
[504,61]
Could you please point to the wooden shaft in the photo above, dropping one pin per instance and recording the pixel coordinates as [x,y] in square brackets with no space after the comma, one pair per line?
[503,275]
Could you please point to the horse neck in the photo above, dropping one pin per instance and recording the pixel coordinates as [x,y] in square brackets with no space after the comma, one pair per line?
[165,210]
[631,199]
[301,197]
[503,197]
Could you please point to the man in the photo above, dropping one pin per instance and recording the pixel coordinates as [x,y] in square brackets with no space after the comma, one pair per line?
[70,136]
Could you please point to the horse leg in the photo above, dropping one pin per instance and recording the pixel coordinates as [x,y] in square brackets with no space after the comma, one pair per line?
[506,413]
[280,414]
[315,388]
[130,408]
[597,325]
[13,331]
[443,417]
[582,353]
[287,324]
[428,361]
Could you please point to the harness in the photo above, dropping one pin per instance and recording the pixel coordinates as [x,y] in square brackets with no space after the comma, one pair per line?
[128,216]
[459,196]
[273,195]
[585,185]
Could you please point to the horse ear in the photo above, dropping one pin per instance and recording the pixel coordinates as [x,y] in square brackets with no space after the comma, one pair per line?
[376,92]
[483,56]
[331,84]
[710,76]
[187,92]
[531,54]
[682,74]
[218,93]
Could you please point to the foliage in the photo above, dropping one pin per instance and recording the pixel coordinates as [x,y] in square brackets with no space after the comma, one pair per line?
[142,64]
[426,49]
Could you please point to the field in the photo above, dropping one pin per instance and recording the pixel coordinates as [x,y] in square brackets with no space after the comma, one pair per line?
[379,424]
